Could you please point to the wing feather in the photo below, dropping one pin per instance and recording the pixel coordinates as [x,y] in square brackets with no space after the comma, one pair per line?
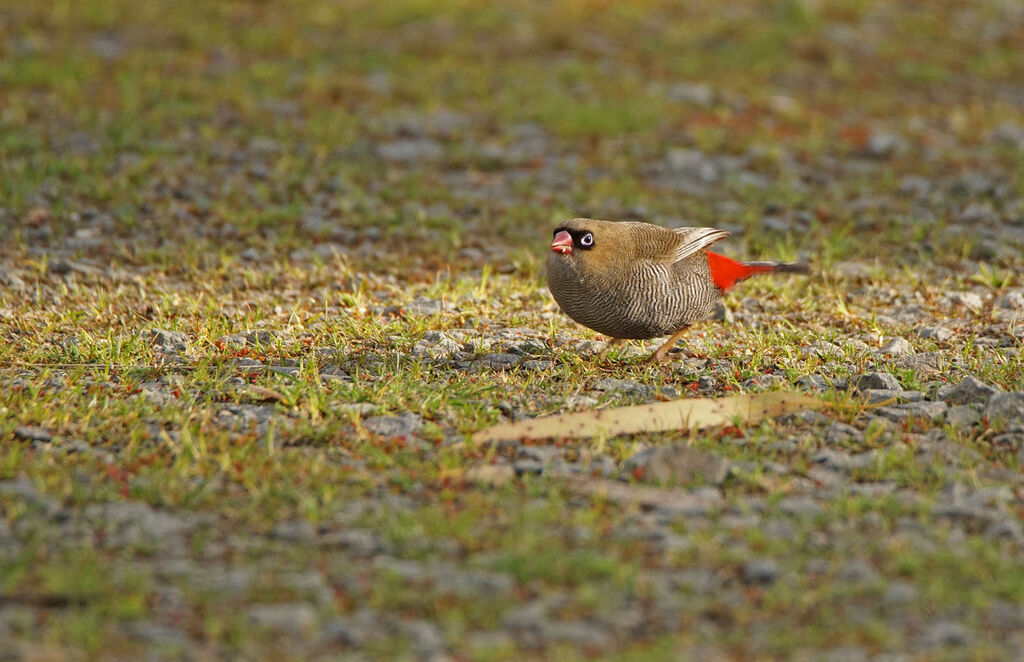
[692,240]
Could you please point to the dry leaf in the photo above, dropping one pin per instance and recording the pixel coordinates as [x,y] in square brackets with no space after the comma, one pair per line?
[680,415]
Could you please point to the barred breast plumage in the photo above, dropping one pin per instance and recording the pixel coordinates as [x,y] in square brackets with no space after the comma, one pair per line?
[637,280]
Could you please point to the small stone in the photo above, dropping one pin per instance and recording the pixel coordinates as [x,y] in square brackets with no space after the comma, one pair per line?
[1005,527]
[885,145]
[258,337]
[945,633]
[1005,409]
[969,391]
[427,639]
[970,300]
[936,333]
[168,340]
[856,570]
[157,635]
[897,347]
[627,387]
[924,410]
[589,636]
[677,464]
[799,506]
[823,350]
[360,408]
[845,654]
[961,417]
[500,361]
[877,395]
[760,572]
[11,280]
[915,185]
[295,619]
[406,424]
[300,531]
[840,433]
[926,364]
[720,313]
[528,467]
[1009,440]
[875,380]
[30,433]
[410,152]
[1012,300]
[899,593]
[697,94]
[360,543]
[814,383]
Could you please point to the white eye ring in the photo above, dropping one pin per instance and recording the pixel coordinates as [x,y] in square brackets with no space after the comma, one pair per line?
[587,240]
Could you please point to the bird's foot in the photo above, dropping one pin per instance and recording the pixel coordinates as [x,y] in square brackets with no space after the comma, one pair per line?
[659,357]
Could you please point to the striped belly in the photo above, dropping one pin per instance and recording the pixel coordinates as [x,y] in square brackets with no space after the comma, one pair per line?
[654,300]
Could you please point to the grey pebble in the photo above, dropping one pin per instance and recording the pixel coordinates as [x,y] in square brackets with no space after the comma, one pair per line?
[945,633]
[500,361]
[961,417]
[298,531]
[926,364]
[926,410]
[406,424]
[969,391]
[31,433]
[899,593]
[360,543]
[295,619]
[760,572]
[410,152]
[936,333]
[839,433]
[257,337]
[168,340]
[628,387]
[875,380]
[897,347]
[837,460]
[1006,409]
[528,467]
[814,383]
[1012,300]
[678,464]
[130,523]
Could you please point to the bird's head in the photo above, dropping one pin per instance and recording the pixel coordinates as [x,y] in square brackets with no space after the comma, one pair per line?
[585,239]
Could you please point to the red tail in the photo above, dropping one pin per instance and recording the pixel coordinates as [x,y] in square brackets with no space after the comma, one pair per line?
[726,272]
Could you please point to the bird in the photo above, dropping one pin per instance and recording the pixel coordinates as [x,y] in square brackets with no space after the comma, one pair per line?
[635,280]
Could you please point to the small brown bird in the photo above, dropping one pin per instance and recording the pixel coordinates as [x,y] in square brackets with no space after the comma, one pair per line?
[636,280]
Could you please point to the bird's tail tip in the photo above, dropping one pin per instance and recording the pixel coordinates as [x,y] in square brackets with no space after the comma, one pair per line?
[792,268]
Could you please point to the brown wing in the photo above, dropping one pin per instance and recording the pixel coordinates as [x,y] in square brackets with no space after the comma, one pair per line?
[691,240]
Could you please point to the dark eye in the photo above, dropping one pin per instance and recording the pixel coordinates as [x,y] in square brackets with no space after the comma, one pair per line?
[587,240]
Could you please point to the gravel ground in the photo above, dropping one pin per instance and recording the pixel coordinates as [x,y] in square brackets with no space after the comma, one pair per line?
[251,317]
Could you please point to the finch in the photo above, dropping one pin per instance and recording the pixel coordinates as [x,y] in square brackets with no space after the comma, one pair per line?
[637,280]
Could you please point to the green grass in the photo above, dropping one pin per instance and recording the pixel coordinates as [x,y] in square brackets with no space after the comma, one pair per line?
[153,143]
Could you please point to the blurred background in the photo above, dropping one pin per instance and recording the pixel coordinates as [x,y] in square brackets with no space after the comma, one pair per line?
[416,135]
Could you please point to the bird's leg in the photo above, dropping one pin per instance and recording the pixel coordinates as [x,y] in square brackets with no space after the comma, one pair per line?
[612,342]
[659,354]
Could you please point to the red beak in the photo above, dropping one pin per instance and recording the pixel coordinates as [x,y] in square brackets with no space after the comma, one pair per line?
[562,243]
